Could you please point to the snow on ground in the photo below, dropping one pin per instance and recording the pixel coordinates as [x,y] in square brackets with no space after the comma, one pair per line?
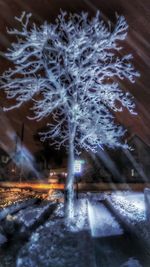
[59,211]
[8,197]
[16,207]
[130,203]
[54,245]
[132,262]
[30,215]
[131,209]
[102,223]
[55,194]
[80,221]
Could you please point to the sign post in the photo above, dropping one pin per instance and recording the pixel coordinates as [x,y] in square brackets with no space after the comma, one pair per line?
[77,170]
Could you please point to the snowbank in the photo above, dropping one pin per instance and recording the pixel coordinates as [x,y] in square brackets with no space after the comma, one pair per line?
[26,220]
[16,207]
[29,216]
[129,206]
[132,262]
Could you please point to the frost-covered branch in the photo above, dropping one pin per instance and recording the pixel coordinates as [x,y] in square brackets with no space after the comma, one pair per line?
[71,71]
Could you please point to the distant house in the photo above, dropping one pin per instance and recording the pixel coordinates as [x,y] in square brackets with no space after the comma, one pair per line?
[141,154]
[122,165]
[11,167]
[4,157]
[134,164]
[5,162]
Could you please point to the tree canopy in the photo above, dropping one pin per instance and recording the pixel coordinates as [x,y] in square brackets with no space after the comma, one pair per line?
[71,71]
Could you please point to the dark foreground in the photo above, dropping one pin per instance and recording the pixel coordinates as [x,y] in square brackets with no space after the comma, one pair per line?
[37,235]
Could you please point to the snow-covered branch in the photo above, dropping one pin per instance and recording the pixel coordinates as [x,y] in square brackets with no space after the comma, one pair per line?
[71,71]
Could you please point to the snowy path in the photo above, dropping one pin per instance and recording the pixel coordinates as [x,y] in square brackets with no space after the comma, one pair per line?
[113,247]
[102,223]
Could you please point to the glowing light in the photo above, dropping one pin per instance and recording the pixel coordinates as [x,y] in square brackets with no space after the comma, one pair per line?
[13,170]
[78,166]
[32,185]
[132,172]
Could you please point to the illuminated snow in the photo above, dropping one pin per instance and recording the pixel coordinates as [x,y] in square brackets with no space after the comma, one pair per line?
[80,222]
[130,203]
[130,208]
[132,262]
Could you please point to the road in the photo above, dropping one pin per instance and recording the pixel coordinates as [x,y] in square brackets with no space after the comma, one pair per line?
[32,185]
[86,187]
[112,245]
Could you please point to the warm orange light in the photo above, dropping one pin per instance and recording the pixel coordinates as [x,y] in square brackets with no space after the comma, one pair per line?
[33,185]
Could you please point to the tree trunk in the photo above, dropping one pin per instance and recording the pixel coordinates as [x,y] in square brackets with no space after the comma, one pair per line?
[69,190]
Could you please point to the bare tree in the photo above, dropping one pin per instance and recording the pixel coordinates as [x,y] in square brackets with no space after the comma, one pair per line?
[71,70]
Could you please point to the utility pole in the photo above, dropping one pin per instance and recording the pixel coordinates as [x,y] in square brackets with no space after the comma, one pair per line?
[21,156]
